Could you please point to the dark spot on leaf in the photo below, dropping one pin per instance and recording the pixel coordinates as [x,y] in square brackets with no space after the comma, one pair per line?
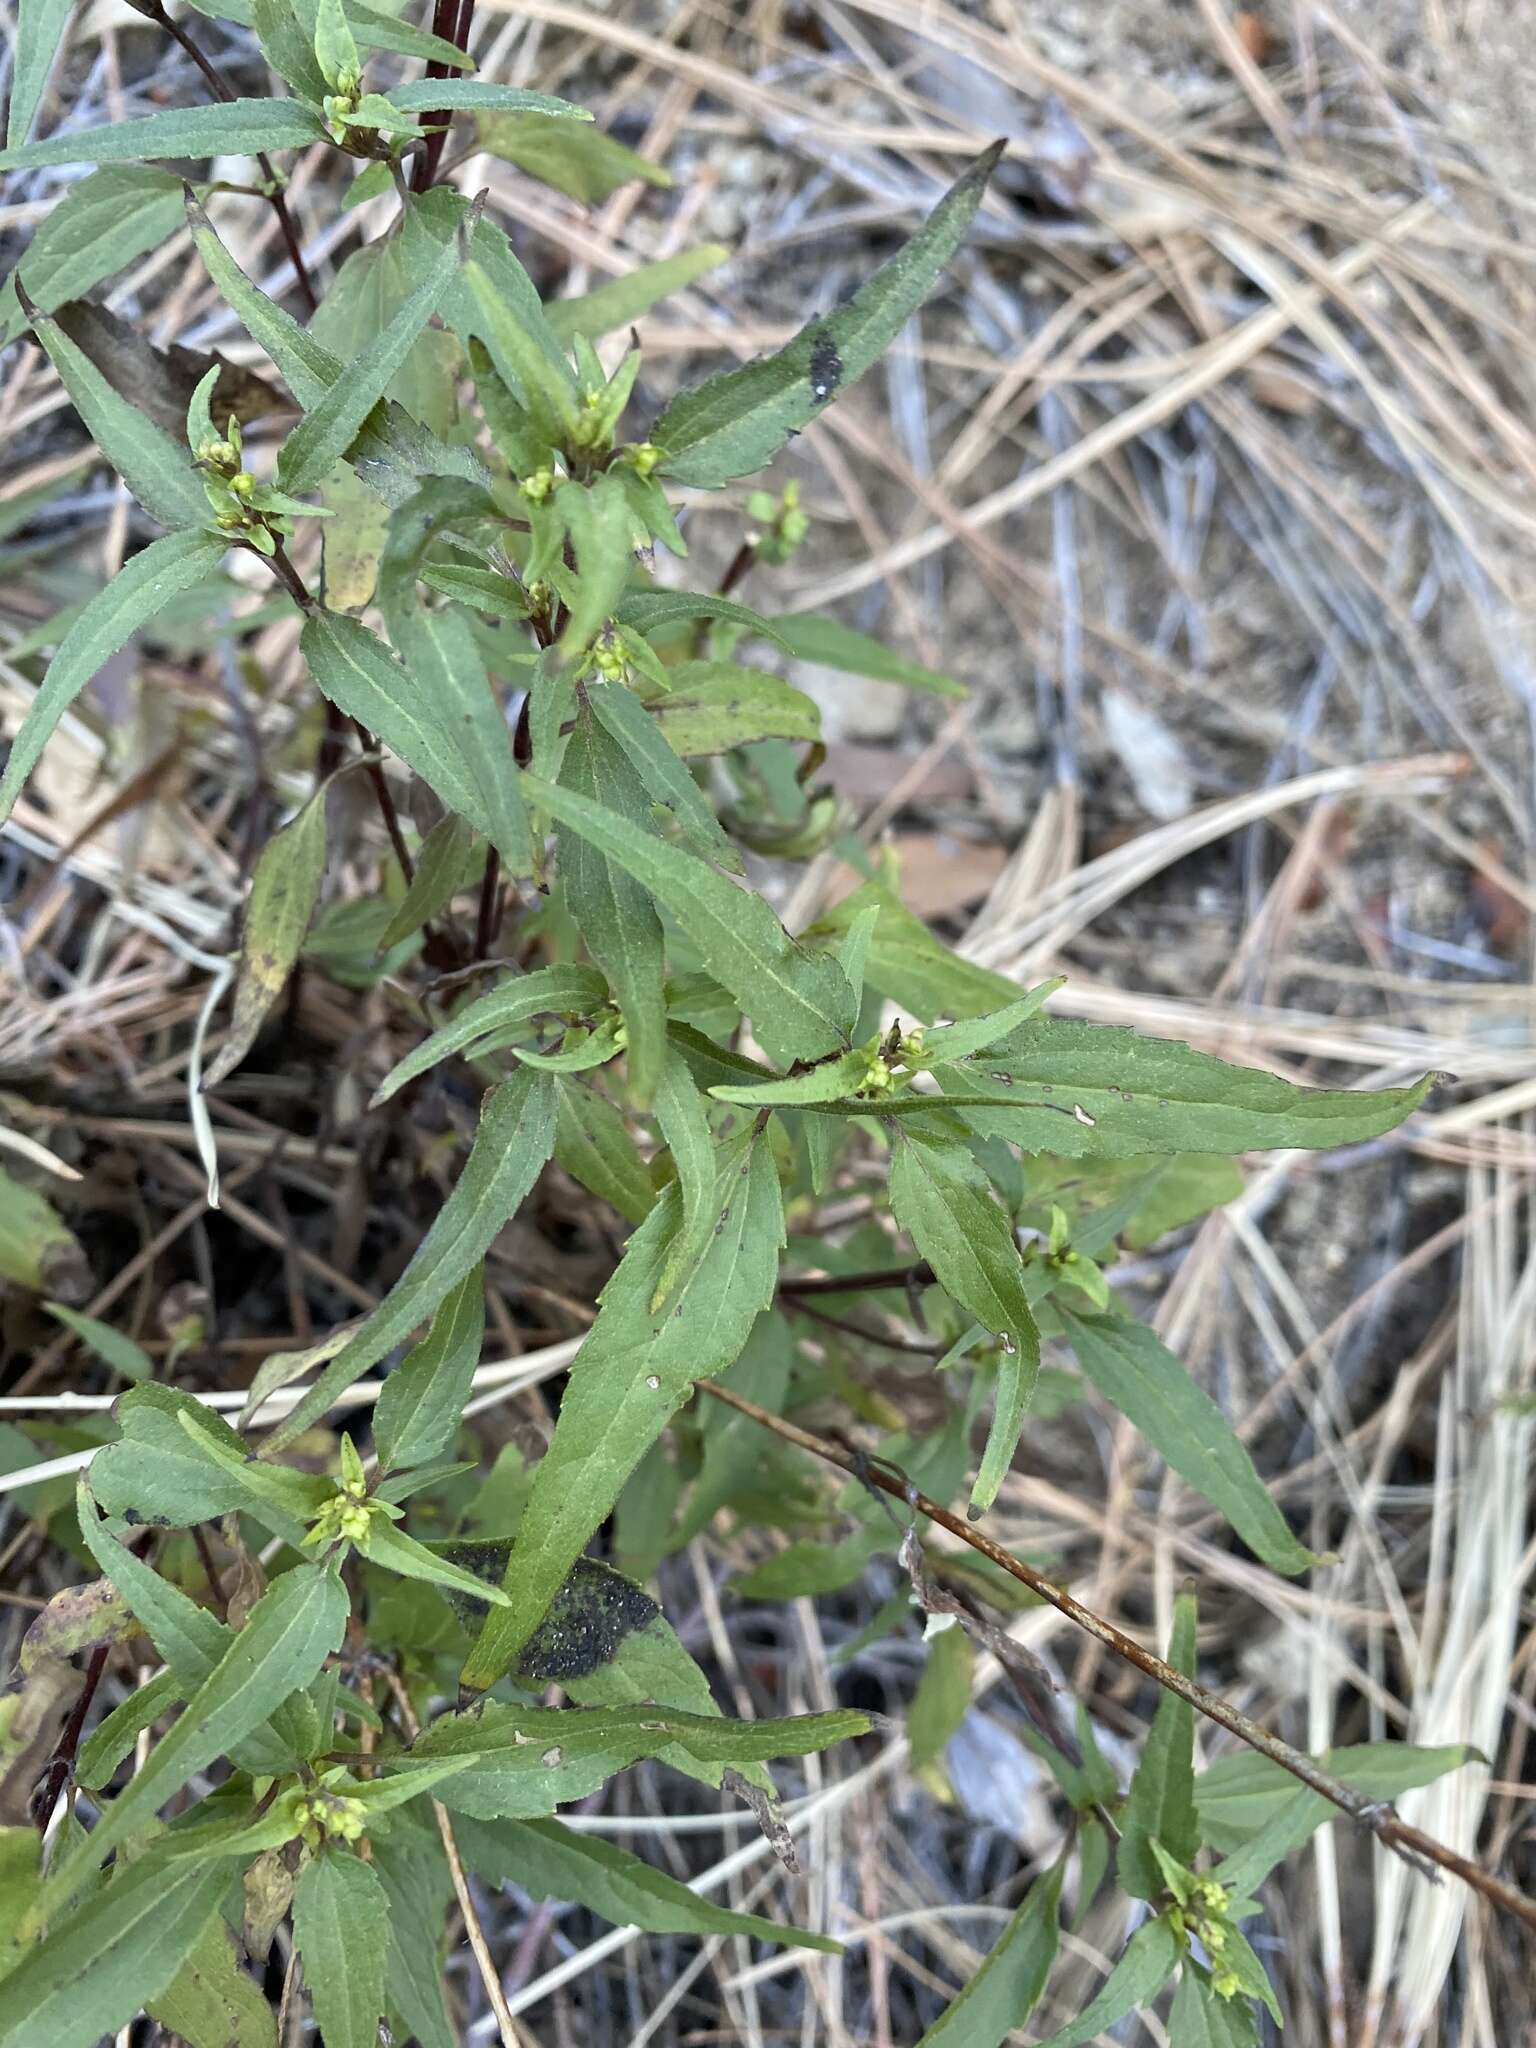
[132,1517]
[589,1617]
[826,368]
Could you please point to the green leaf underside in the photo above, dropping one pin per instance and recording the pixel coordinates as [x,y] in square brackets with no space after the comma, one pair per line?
[634,1370]
[341,1927]
[515,1138]
[1150,1959]
[626,299]
[1239,1796]
[212,2002]
[359,674]
[1008,1986]
[799,1002]
[1141,1377]
[116,1950]
[732,424]
[155,468]
[548,1860]
[1161,1805]
[225,128]
[522,1762]
[97,229]
[40,31]
[834,645]
[549,991]
[422,1399]
[941,1198]
[612,910]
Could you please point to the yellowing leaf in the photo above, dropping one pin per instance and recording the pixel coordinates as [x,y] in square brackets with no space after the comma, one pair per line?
[284,891]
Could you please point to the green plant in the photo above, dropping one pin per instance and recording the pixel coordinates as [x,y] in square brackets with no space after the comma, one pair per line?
[655,1030]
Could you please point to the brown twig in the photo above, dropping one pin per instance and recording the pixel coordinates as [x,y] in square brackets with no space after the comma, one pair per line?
[1410,1842]
[220,87]
[451,19]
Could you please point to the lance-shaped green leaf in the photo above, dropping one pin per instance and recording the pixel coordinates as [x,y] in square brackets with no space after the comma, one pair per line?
[421,1401]
[942,1697]
[103,1752]
[624,299]
[545,384]
[166,1465]
[652,612]
[1008,1986]
[392,1548]
[212,2002]
[550,1861]
[452,857]
[598,525]
[941,1199]
[735,422]
[336,46]
[284,891]
[909,966]
[515,1138]
[799,1002]
[507,298]
[593,1144]
[113,1347]
[376,29]
[98,228]
[341,1928]
[959,1041]
[833,645]
[632,1373]
[1150,1959]
[155,468]
[225,128]
[329,427]
[357,672]
[522,1762]
[667,781]
[414,1872]
[831,1080]
[1240,1796]
[1161,1804]
[289,1633]
[1134,1371]
[1098,1091]
[100,1963]
[712,706]
[1199,2019]
[613,910]
[289,47]
[548,992]
[695,1160]
[579,160]
[40,33]
[478,95]
[309,368]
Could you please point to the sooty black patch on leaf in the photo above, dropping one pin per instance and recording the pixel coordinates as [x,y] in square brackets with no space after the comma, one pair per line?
[588,1618]
[826,371]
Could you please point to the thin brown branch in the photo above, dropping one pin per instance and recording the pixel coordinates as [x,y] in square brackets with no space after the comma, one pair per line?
[1410,1842]
[220,87]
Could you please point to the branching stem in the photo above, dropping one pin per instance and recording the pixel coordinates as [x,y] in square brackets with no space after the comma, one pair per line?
[1422,1850]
